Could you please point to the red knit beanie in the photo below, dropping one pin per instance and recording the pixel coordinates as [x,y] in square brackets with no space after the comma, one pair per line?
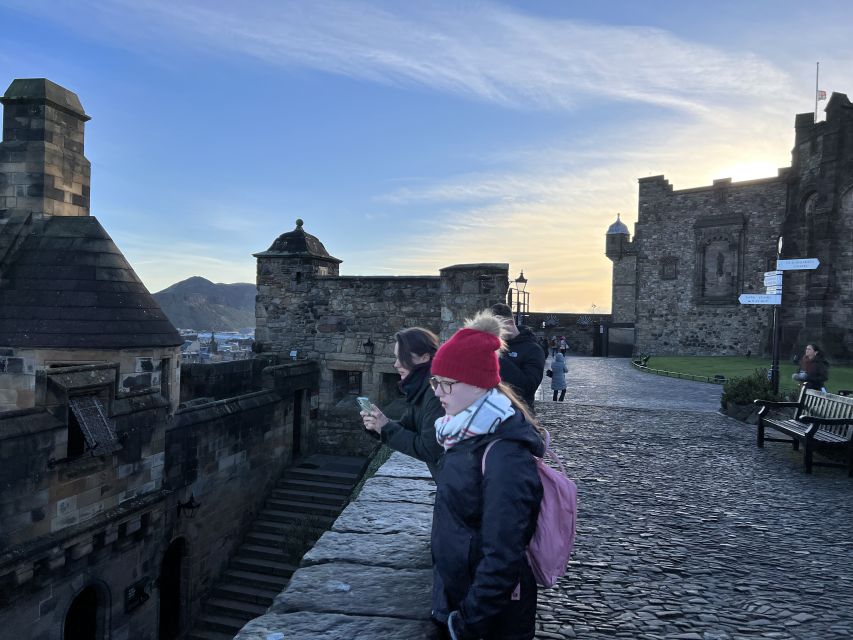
[469,356]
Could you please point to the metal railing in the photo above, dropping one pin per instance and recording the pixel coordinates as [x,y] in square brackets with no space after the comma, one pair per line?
[675,374]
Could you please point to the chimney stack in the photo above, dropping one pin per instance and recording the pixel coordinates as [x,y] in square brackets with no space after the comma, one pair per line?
[42,167]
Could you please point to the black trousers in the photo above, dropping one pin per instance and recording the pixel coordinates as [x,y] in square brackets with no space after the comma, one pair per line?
[562,394]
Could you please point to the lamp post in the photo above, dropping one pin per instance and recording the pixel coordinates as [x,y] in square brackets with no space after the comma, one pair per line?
[521,298]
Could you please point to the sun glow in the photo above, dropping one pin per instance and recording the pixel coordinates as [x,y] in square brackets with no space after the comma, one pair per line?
[750,171]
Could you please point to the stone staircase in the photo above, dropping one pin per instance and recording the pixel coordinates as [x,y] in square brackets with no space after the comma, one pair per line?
[304,504]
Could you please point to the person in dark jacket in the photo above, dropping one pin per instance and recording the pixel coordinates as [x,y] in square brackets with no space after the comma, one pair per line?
[522,361]
[414,433]
[814,368]
[485,513]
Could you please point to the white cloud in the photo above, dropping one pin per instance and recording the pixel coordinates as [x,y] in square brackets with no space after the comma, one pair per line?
[482,51]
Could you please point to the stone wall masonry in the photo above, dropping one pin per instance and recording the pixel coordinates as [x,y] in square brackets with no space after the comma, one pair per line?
[221,380]
[38,134]
[40,581]
[227,454]
[370,576]
[331,318]
[675,313]
[44,492]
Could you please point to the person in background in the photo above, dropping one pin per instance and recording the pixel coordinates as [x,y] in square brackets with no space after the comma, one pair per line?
[553,344]
[564,346]
[523,362]
[814,368]
[558,376]
[414,433]
[543,342]
[484,515]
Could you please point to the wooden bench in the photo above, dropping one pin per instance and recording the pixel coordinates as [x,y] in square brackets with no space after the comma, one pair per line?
[819,420]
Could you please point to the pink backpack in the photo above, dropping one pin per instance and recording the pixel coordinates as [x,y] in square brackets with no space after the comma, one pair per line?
[552,541]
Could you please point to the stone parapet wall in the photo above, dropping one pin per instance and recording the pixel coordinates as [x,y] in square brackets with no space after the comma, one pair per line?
[370,576]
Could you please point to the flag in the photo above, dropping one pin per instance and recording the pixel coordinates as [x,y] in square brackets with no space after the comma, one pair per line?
[821,95]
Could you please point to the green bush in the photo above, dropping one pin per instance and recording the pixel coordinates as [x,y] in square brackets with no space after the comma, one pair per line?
[755,386]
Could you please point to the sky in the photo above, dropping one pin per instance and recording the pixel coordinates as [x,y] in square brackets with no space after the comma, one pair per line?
[410,136]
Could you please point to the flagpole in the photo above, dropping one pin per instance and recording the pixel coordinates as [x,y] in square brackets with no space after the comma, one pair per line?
[816,76]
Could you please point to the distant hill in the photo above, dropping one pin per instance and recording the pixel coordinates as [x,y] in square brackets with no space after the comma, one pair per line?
[197,303]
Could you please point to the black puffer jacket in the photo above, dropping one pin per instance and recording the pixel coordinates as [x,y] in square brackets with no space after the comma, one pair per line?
[523,365]
[414,433]
[480,530]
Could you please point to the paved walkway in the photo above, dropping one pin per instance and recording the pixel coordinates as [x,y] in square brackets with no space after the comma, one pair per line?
[686,528]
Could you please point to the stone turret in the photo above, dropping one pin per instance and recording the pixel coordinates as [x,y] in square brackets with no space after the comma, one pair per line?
[43,171]
[621,250]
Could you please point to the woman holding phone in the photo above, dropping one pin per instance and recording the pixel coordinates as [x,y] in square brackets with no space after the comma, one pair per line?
[484,515]
[414,433]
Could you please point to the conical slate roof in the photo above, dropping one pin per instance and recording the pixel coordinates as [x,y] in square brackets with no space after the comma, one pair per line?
[67,286]
[297,243]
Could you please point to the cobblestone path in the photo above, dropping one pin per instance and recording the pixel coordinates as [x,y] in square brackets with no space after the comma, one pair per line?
[686,528]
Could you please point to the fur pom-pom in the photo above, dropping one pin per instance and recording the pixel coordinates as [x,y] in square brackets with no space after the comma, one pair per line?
[487,322]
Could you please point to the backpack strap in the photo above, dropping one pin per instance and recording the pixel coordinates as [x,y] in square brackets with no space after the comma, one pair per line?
[485,453]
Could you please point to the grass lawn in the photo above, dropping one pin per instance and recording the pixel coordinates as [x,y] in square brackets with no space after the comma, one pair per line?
[737,366]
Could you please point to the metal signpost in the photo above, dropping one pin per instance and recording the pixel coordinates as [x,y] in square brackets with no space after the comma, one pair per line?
[773,295]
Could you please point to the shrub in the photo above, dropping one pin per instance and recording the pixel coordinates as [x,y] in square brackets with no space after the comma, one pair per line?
[756,386]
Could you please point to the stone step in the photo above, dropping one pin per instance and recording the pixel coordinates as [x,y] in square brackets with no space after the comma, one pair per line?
[235,608]
[255,580]
[309,496]
[245,593]
[207,634]
[283,529]
[317,486]
[339,477]
[260,565]
[220,623]
[289,517]
[276,554]
[298,506]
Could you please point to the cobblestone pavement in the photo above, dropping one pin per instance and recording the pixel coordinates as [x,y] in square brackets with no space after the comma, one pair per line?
[687,529]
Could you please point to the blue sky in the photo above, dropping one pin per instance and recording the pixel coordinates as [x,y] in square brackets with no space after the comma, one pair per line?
[414,135]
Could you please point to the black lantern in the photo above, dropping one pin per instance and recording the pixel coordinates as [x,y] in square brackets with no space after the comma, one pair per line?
[189,508]
[521,281]
[368,347]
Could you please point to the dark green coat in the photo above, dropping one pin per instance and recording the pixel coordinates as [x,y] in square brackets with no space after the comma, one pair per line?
[414,433]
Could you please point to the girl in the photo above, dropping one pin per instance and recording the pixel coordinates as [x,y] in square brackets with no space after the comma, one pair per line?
[814,369]
[414,433]
[483,522]
[558,376]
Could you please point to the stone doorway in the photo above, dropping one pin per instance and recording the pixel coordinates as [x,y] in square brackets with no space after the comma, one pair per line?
[81,621]
[171,597]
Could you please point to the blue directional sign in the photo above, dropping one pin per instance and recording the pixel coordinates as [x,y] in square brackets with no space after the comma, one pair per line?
[760,298]
[797,264]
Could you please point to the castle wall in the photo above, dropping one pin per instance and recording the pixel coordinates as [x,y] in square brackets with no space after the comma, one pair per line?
[699,249]
[330,318]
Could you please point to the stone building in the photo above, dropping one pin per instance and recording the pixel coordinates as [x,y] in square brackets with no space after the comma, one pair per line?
[694,251]
[347,323]
[101,466]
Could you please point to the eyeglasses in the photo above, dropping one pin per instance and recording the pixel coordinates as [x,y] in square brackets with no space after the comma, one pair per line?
[446,386]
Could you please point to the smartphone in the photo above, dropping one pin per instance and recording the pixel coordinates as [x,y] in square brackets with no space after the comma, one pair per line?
[363,403]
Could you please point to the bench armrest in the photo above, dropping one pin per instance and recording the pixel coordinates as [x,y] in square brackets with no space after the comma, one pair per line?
[829,421]
[772,404]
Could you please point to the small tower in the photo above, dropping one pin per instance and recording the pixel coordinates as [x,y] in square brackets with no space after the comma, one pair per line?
[621,250]
[286,272]
[618,239]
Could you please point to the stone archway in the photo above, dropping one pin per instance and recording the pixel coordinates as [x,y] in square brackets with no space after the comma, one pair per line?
[82,619]
[172,598]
